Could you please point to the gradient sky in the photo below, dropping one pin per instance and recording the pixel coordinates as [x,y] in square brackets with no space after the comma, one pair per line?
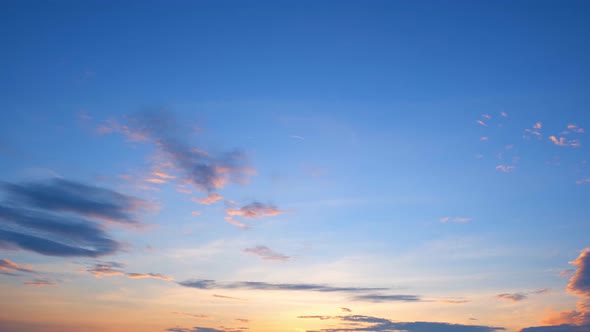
[203,166]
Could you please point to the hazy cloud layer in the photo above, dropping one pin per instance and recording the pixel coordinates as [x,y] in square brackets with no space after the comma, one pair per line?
[376,324]
[63,218]
[377,298]
[266,254]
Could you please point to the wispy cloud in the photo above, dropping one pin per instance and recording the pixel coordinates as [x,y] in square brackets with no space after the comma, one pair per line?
[376,324]
[40,283]
[514,297]
[562,141]
[506,168]
[535,131]
[583,181]
[210,199]
[378,298]
[258,285]
[455,219]
[114,269]
[226,297]
[60,217]
[9,267]
[189,164]
[252,211]
[266,253]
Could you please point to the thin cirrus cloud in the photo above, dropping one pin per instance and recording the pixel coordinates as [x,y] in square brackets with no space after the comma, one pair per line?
[266,254]
[9,267]
[257,285]
[376,324]
[114,269]
[455,219]
[40,283]
[205,171]
[64,218]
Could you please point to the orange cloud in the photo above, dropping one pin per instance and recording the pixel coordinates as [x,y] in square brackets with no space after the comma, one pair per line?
[148,276]
[39,283]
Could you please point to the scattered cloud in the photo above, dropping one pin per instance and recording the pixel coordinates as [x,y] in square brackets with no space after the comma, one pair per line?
[266,254]
[206,329]
[484,138]
[376,324]
[486,116]
[258,285]
[297,137]
[504,114]
[583,181]
[455,219]
[344,309]
[535,131]
[481,123]
[562,141]
[190,315]
[210,199]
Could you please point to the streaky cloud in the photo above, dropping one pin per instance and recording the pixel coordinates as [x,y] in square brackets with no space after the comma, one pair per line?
[266,254]
[376,324]
[257,285]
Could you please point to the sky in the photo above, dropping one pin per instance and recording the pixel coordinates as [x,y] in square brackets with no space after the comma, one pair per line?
[320,166]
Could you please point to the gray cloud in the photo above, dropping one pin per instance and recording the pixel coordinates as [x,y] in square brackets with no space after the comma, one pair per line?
[376,324]
[212,284]
[516,297]
[579,283]
[55,217]
[60,195]
[105,269]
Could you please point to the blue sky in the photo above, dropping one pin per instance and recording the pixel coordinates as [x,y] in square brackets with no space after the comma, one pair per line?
[435,150]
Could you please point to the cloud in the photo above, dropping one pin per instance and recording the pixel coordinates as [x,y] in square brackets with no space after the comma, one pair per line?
[377,298]
[226,297]
[205,171]
[207,329]
[40,283]
[8,267]
[376,324]
[455,219]
[252,211]
[344,309]
[255,210]
[266,254]
[190,315]
[481,123]
[535,131]
[113,269]
[574,128]
[562,141]
[64,218]
[505,168]
[579,283]
[59,195]
[210,199]
[257,285]
[583,181]
[516,297]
